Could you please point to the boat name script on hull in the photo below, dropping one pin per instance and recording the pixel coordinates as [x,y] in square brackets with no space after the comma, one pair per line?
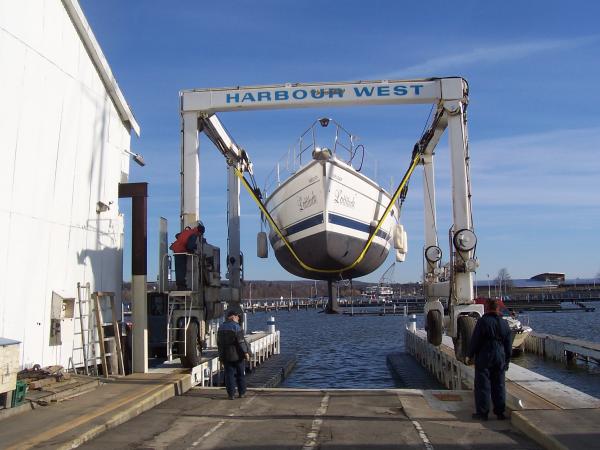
[306,201]
[344,199]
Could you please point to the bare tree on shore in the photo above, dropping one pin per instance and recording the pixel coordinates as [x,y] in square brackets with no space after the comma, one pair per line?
[504,281]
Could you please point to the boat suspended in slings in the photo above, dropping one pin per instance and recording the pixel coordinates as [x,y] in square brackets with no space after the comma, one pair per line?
[327,209]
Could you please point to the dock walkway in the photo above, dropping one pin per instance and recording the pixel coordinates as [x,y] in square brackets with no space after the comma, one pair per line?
[555,415]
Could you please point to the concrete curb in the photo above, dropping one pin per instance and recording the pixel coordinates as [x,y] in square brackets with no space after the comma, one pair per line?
[121,416]
[525,426]
[24,407]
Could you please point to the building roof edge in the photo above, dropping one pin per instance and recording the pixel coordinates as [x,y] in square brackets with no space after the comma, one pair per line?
[93,48]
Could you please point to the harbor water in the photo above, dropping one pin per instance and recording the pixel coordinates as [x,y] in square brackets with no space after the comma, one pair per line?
[340,351]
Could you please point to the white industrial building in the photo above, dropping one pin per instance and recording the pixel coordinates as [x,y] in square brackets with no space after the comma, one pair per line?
[64,131]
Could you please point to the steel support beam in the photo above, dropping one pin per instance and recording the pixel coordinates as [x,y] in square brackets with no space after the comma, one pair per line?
[138,192]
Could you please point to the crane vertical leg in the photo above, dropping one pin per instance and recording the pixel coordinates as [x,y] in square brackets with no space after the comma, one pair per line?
[462,288]
[429,210]
[233,237]
[433,310]
[463,313]
[190,170]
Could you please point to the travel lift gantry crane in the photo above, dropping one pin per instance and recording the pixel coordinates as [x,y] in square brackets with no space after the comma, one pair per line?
[449,97]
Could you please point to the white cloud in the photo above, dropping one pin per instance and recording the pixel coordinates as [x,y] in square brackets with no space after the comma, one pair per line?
[558,168]
[489,55]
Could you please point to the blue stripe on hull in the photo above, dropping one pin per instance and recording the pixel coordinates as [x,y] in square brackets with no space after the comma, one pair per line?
[355,225]
[334,219]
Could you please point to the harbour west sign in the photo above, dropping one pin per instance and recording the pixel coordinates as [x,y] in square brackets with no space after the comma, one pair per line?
[314,95]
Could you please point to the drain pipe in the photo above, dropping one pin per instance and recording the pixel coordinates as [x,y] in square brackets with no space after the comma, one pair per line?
[138,192]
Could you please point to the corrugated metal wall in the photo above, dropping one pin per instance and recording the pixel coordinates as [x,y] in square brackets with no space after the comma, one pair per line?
[61,142]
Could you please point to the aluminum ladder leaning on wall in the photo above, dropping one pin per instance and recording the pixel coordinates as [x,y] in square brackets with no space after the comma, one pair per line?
[86,332]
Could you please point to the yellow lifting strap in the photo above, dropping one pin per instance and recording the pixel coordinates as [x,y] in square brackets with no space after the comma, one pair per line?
[415,161]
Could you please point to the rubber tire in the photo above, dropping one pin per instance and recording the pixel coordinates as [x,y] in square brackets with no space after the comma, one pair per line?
[465,325]
[434,327]
[193,351]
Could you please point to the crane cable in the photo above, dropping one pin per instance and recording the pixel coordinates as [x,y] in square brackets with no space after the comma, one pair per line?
[416,158]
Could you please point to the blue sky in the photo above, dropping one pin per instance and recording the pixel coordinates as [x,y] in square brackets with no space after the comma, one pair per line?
[533,70]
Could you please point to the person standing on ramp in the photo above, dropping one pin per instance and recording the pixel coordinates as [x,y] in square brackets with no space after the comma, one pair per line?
[233,352]
[490,349]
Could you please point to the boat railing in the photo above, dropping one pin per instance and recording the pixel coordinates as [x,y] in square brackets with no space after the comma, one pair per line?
[344,148]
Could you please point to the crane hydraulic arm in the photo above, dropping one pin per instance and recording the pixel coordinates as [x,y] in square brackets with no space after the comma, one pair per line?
[235,155]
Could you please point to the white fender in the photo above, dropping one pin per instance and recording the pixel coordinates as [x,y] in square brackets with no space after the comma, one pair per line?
[262,247]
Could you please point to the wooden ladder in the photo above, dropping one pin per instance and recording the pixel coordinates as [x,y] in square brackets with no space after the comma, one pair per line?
[97,298]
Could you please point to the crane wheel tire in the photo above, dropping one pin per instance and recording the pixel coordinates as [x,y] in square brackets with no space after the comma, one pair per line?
[465,325]
[192,352]
[434,327]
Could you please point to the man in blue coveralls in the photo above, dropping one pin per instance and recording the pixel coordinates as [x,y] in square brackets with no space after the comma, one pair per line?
[490,348]
[233,352]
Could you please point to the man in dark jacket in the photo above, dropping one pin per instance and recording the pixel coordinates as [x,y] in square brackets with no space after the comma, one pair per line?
[233,351]
[491,347]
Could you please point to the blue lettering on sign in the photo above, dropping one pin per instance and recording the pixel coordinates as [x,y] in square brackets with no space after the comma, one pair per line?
[317,93]
[248,97]
[299,94]
[366,91]
[235,97]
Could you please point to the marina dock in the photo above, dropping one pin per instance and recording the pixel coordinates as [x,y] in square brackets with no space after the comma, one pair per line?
[553,414]
[561,348]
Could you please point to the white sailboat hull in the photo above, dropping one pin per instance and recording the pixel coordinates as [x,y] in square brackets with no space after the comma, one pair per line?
[327,211]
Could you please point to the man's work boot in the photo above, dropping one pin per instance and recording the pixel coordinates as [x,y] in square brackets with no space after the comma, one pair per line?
[478,416]
[501,416]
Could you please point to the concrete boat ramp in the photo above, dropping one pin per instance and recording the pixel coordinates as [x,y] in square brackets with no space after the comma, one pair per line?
[310,419]
[146,412]
[163,409]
